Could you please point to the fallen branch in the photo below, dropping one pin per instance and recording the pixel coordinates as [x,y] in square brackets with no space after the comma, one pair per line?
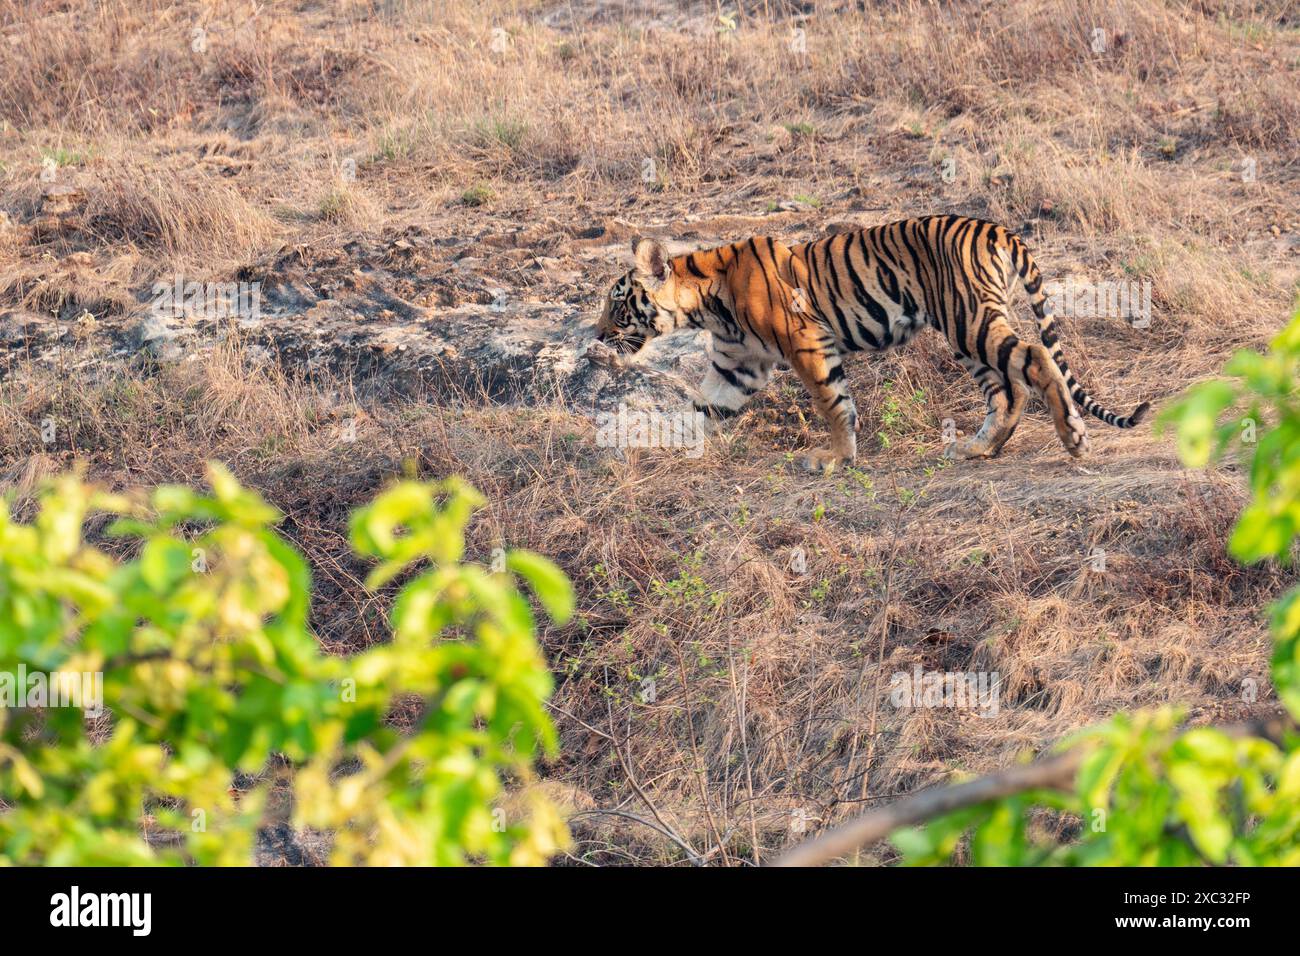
[1054,773]
[874,825]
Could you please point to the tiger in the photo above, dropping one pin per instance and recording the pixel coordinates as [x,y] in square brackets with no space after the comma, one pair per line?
[806,305]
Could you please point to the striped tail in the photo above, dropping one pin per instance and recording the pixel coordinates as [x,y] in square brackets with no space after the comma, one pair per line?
[1032,279]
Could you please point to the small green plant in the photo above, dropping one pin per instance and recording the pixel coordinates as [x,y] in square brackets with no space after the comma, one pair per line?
[894,413]
[688,589]
[64,157]
[208,669]
[480,194]
[501,132]
[396,143]
[336,205]
[863,480]
[619,597]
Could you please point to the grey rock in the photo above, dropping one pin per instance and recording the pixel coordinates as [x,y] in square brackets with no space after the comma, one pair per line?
[162,339]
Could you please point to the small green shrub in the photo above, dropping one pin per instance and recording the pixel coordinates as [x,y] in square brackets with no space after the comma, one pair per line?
[209,669]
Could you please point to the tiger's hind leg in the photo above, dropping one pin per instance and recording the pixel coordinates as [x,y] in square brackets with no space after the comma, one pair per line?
[1030,368]
[1044,377]
[1005,398]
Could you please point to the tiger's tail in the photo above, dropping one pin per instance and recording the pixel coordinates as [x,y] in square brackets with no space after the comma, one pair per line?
[1032,279]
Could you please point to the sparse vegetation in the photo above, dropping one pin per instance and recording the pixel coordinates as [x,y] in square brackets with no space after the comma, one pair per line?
[518,162]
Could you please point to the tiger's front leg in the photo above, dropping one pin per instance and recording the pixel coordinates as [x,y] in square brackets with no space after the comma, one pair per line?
[732,380]
[822,373]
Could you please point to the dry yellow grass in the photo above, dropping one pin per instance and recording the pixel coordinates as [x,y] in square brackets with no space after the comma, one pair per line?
[1164,148]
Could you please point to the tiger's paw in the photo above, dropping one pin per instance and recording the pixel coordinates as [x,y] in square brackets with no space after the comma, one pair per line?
[1075,436]
[822,460]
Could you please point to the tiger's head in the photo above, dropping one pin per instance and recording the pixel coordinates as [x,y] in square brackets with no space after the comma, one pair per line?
[642,303]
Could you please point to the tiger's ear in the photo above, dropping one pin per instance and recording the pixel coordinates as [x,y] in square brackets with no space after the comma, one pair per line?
[651,259]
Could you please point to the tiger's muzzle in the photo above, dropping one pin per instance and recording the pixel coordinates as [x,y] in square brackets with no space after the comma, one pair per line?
[623,344]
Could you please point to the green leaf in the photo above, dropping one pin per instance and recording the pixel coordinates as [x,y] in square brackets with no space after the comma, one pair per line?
[548,582]
[163,563]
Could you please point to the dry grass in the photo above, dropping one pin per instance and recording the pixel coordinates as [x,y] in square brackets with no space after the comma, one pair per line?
[770,706]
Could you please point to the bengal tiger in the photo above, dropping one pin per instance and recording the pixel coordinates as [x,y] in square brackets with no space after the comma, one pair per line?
[807,304]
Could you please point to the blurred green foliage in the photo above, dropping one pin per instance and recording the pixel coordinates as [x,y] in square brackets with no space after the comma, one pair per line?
[1148,793]
[210,668]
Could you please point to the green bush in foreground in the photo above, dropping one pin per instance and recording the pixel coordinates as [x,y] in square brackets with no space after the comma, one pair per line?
[1149,794]
[209,667]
